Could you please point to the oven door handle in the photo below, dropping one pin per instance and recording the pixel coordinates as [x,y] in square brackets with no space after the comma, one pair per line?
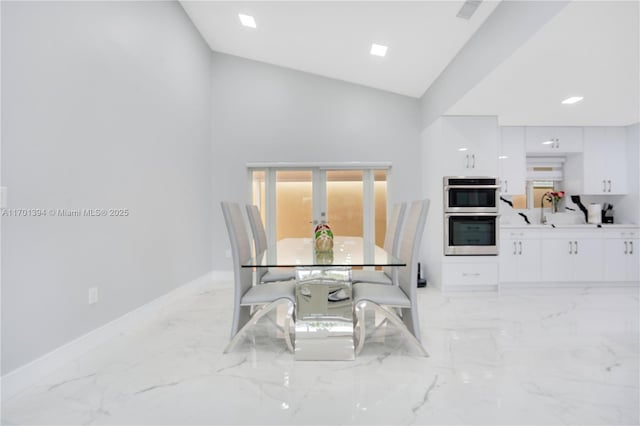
[447,187]
[447,215]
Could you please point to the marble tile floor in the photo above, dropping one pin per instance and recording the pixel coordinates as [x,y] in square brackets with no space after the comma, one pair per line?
[544,356]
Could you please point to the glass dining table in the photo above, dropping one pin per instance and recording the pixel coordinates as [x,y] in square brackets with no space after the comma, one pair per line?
[324,316]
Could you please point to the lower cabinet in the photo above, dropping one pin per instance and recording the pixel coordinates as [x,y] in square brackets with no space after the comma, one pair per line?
[520,257]
[470,274]
[566,255]
[572,259]
[622,261]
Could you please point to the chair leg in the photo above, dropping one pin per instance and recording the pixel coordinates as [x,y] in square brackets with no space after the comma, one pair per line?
[389,315]
[287,326]
[360,326]
[256,317]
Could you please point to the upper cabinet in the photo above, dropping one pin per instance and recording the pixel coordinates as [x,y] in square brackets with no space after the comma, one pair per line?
[604,167]
[470,146]
[512,161]
[553,140]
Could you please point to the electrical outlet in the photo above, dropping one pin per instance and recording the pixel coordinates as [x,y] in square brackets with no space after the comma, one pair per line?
[93,295]
[227,253]
[3,197]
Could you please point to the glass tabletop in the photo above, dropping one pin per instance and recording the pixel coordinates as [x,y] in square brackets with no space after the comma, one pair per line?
[347,251]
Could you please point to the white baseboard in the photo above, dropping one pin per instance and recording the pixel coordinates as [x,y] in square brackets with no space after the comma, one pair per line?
[452,288]
[20,379]
[560,284]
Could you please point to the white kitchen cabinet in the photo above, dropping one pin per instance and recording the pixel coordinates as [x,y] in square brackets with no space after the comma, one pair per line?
[469,274]
[604,167]
[573,258]
[633,261]
[520,256]
[557,263]
[553,140]
[469,146]
[572,255]
[512,161]
[622,261]
[588,259]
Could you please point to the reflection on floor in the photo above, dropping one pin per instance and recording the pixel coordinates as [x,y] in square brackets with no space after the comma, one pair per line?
[535,357]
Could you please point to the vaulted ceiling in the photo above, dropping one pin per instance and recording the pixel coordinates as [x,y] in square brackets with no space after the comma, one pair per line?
[333,38]
[590,49]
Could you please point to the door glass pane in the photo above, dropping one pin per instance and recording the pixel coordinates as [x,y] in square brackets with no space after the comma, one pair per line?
[380,205]
[344,202]
[258,191]
[293,203]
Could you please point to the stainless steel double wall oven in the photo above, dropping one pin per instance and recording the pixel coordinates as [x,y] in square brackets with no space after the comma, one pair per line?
[471,218]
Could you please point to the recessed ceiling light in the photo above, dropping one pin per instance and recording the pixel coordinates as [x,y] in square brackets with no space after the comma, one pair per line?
[378,50]
[468,8]
[462,149]
[247,20]
[572,100]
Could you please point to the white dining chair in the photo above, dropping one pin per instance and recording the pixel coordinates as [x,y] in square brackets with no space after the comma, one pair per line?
[387,299]
[246,295]
[388,274]
[263,274]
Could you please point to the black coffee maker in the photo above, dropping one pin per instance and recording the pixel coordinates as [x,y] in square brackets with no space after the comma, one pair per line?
[607,213]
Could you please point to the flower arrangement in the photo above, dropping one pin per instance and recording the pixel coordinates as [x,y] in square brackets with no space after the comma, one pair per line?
[554,198]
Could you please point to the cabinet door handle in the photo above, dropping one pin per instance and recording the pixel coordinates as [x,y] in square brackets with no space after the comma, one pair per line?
[631,247]
[604,185]
[576,247]
[570,247]
[557,143]
[520,245]
[467,161]
[609,182]
[515,251]
[506,185]
[473,158]
[626,247]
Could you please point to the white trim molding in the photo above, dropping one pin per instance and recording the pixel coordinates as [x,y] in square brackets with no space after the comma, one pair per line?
[346,165]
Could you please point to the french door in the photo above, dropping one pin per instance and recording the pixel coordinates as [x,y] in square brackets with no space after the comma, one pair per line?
[294,198]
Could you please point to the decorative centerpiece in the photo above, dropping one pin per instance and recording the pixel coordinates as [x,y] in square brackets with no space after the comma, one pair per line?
[323,238]
[324,257]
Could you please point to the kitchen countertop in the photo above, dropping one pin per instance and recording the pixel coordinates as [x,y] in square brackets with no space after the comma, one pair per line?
[569,226]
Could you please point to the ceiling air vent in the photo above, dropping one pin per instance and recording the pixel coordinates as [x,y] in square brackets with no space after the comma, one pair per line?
[468,9]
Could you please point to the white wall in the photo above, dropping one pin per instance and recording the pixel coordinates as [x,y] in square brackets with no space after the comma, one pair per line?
[628,208]
[432,174]
[105,105]
[267,113]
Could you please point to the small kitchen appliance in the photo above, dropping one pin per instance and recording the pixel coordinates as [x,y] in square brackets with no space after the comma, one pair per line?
[607,213]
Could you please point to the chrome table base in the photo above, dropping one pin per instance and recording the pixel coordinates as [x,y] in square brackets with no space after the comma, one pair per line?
[324,314]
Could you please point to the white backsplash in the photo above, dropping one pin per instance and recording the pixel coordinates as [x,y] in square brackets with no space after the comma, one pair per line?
[510,216]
